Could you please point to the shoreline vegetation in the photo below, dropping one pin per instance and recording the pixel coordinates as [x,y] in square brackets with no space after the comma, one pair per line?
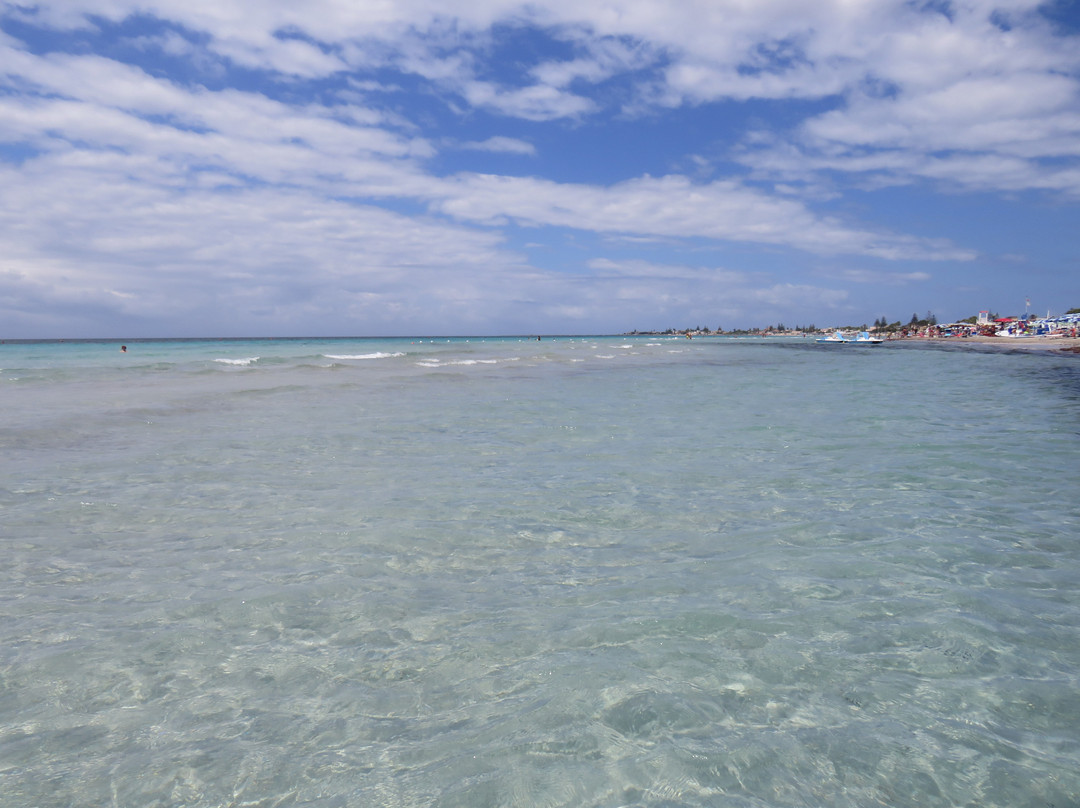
[1060,334]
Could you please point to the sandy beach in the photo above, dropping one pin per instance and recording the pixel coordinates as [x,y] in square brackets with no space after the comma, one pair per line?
[1036,343]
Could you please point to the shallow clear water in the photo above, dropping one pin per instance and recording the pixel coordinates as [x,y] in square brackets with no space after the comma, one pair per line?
[588,572]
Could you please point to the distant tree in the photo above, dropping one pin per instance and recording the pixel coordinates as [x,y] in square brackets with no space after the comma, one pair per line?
[930,318]
[914,320]
[1073,311]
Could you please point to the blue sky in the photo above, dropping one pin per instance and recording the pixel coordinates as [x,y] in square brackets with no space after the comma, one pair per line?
[353,167]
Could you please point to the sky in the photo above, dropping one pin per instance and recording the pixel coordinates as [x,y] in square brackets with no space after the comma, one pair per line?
[185,168]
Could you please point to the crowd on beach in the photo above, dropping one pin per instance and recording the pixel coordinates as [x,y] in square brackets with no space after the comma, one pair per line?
[1058,333]
[1065,326]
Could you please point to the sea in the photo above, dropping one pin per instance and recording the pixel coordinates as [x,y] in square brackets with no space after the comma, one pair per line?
[572,571]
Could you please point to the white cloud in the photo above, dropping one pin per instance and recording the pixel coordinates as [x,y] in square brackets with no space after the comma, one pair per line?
[499,144]
[878,277]
[289,56]
[676,207]
[538,102]
[337,151]
[272,257]
[952,82]
[964,102]
[603,57]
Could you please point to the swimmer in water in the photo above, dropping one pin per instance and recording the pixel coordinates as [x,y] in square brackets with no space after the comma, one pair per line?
[123,349]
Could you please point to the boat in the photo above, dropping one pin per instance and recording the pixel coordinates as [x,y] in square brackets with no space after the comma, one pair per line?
[835,338]
[862,338]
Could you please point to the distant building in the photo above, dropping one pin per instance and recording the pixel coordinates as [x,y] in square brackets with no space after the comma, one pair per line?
[984,318]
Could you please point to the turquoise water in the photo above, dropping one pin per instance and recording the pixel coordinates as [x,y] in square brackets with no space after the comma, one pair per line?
[502,572]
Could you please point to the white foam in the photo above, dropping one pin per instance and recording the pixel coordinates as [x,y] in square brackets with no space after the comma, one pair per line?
[248,361]
[434,363]
[376,355]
